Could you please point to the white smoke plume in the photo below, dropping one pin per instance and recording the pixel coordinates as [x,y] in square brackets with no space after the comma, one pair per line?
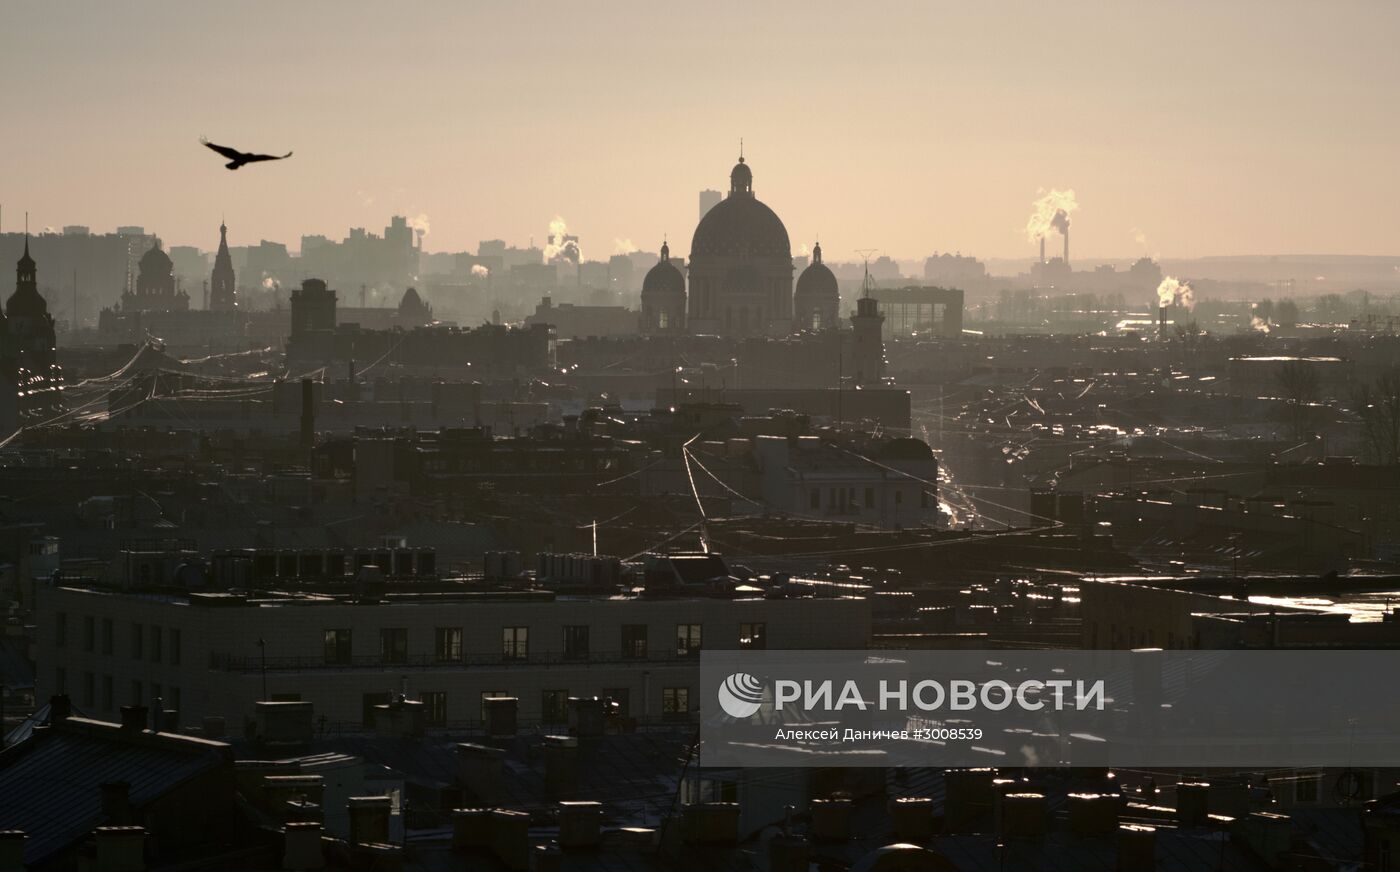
[1050,212]
[804,251]
[420,224]
[269,283]
[561,246]
[623,246]
[1138,236]
[1174,292]
[1259,324]
[480,271]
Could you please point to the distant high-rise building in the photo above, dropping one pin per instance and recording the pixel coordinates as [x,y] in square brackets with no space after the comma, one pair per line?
[709,200]
[223,295]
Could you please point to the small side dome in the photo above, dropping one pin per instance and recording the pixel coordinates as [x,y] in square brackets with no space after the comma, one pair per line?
[664,278]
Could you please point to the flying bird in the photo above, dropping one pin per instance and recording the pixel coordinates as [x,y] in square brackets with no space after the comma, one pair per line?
[238,158]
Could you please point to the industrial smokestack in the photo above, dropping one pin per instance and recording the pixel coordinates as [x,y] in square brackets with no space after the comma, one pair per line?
[1065,231]
[1042,249]
[1162,322]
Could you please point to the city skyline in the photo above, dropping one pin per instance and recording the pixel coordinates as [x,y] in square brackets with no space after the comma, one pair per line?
[904,128]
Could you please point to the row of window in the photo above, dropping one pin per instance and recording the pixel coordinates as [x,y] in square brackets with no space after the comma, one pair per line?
[515,642]
[844,498]
[554,704]
[147,642]
[99,692]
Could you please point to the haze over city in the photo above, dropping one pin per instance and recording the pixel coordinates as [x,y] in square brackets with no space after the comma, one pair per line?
[761,437]
[1185,130]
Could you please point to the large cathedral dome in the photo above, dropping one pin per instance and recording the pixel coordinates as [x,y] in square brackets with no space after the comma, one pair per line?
[740,265]
[741,225]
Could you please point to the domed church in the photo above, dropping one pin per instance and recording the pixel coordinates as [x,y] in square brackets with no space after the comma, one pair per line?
[817,303]
[740,266]
[663,296]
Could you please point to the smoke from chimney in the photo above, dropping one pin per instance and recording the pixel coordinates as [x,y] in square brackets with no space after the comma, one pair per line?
[1051,212]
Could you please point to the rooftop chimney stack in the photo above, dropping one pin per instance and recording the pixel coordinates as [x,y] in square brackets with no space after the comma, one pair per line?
[1065,232]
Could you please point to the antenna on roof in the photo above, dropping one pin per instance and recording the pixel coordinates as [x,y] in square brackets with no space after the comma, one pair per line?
[866,285]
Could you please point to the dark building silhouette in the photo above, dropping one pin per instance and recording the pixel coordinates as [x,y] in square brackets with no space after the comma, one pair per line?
[868,352]
[28,352]
[155,289]
[663,296]
[313,308]
[741,266]
[223,294]
[413,310]
[817,302]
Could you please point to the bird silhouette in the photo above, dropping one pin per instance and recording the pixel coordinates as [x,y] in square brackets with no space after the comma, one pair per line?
[238,158]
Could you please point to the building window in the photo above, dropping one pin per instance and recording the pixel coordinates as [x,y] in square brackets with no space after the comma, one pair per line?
[447,647]
[675,702]
[393,644]
[870,498]
[138,693]
[554,707]
[89,633]
[175,700]
[515,642]
[107,697]
[157,644]
[687,639]
[814,500]
[898,496]
[1305,788]
[60,629]
[60,680]
[434,707]
[336,646]
[576,641]
[107,635]
[89,689]
[634,641]
[753,636]
[157,698]
[174,647]
[138,650]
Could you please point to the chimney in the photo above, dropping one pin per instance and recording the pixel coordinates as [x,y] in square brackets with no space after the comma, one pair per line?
[560,766]
[308,413]
[1023,815]
[294,797]
[301,846]
[1192,804]
[1065,233]
[510,838]
[912,817]
[120,849]
[712,823]
[500,715]
[369,819]
[481,770]
[116,802]
[968,796]
[60,708]
[12,850]
[1162,321]
[1137,848]
[1093,814]
[1042,249]
[134,718]
[1268,836]
[580,824]
[471,828]
[399,719]
[587,716]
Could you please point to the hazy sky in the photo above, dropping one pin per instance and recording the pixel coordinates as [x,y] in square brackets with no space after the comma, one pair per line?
[1204,127]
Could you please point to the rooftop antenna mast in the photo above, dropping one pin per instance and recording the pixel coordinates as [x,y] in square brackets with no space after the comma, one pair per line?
[867,284]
